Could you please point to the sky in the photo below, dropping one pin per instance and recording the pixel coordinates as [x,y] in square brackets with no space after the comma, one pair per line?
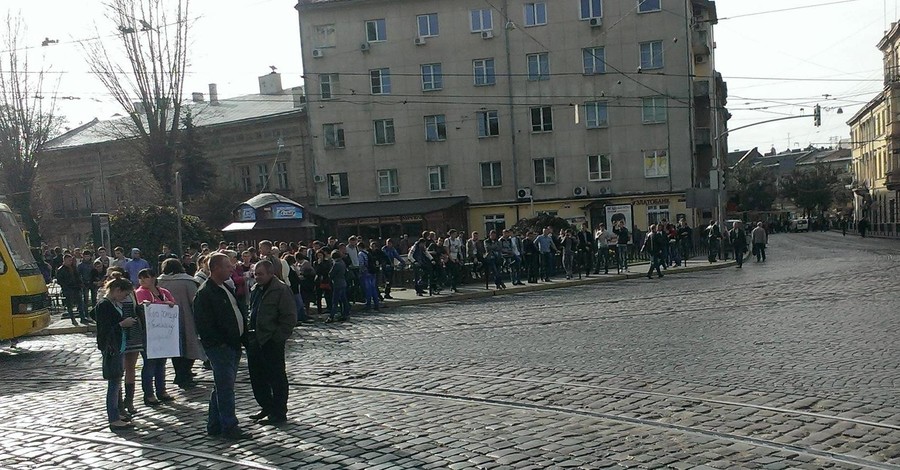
[779,58]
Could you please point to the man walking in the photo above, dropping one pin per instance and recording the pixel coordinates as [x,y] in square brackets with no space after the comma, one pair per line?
[759,238]
[739,243]
[713,235]
[653,245]
[391,254]
[273,314]
[221,323]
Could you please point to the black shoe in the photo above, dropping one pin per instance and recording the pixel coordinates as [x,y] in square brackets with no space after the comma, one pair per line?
[213,432]
[388,297]
[329,320]
[259,416]
[649,276]
[150,400]
[273,420]
[235,434]
[165,397]
[186,384]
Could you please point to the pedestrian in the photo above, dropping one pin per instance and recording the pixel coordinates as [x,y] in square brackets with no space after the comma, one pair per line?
[338,276]
[70,284]
[622,237]
[266,252]
[273,314]
[493,259]
[713,235]
[111,342]
[221,323]
[475,253]
[135,265]
[88,280]
[307,275]
[322,266]
[388,267]
[120,260]
[532,257]
[422,265]
[153,374]
[202,273]
[653,245]
[843,224]
[103,258]
[586,249]
[569,246]
[547,247]
[685,240]
[759,238]
[368,266]
[183,288]
[164,254]
[738,242]
[293,283]
[603,238]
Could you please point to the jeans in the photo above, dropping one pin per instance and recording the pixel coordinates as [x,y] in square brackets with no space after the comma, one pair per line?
[568,260]
[515,269]
[370,290]
[89,296]
[739,255]
[622,253]
[267,376]
[301,307]
[73,300]
[388,274]
[493,267]
[656,261]
[547,261]
[602,259]
[112,399]
[533,265]
[339,300]
[224,361]
[760,249]
[154,371]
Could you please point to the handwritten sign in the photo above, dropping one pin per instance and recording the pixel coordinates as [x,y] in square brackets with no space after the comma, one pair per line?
[163,332]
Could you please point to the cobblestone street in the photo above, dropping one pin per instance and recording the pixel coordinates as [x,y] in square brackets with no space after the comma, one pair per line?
[792,363]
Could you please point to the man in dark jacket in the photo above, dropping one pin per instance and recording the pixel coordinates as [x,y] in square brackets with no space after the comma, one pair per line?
[653,245]
[273,314]
[586,247]
[221,324]
[739,242]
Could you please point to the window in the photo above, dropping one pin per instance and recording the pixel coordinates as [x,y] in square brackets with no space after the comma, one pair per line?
[494,222]
[488,123]
[651,55]
[484,72]
[653,110]
[599,168]
[381,81]
[328,82]
[246,182]
[435,128]
[591,9]
[334,135]
[437,178]
[432,77]
[648,5]
[324,36]
[88,198]
[482,20]
[538,66]
[428,25]
[262,177]
[491,175]
[338,186]
[656,164]
[594,59]
[376,30]
[384,132]
[596,114]
[542,119]
[658,213]
[535,14]
[387,182]
[281,172]
[544,171]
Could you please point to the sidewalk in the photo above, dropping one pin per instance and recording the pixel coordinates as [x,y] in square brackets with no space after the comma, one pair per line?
[404,297]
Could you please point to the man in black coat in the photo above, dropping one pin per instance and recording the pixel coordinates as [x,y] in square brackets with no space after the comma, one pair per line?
[586,247]
[653,245]
[739,242]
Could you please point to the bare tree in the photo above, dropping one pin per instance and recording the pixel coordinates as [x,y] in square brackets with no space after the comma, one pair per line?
[27,120]
[146,76]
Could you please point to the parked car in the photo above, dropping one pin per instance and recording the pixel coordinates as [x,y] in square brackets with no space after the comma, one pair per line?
[800,225]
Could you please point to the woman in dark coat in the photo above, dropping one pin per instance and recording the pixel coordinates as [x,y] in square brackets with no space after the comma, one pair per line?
[111,342]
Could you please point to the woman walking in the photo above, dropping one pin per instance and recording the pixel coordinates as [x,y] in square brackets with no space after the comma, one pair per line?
[183,288]
[111,320]
[322,267]
[154,371]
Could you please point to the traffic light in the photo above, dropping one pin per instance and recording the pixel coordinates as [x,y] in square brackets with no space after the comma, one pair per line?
[817,116]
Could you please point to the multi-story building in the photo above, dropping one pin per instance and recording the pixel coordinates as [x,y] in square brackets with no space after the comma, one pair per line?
[875,133]
[420,107]
[255,143]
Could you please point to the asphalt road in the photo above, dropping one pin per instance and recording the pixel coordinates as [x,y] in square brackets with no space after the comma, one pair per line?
[792,363]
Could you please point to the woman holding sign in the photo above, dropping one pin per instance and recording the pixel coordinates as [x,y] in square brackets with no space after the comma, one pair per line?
[154,370]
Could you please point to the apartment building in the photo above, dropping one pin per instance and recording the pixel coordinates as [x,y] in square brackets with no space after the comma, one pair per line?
[875,135]
[509,108]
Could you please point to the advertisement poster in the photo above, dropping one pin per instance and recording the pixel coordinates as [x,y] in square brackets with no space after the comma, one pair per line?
[616,213]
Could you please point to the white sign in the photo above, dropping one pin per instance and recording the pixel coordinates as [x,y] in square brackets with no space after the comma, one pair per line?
[163,332]
[619,212]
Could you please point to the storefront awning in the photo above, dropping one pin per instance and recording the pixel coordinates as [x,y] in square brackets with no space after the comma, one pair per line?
[387,208]
[239,227]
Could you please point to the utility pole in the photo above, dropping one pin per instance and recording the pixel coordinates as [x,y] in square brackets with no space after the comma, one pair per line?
[179,209]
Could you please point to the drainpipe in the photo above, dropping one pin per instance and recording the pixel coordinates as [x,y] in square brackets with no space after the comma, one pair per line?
[512,112]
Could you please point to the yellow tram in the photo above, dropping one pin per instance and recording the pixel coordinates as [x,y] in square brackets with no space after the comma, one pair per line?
[24,301]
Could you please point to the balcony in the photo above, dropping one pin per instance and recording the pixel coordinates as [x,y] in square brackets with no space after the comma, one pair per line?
[703,136]
[701,89]
[892,180]
[700,43]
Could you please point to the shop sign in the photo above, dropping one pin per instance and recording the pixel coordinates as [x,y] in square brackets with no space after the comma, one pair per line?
[369,221]
[246,214]
[286,211]
[651,202]
[411,218]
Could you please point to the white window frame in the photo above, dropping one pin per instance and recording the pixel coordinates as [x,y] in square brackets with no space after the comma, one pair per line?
[485,119]
[486,70]
[281,173]
[380,34]
[654,51]
[496,222]
[428,29]
[477,20]
[435,128]
[656,163]
[596,162]
[388,182]
[594,111]
[246,179]
[342,185]
[432,77]
[535,9]
[545,121]
[659,212]
[653,110]
[328,81]
[333,135]
[546,163]
[594,60]
[495,173]
[541,62]
[440,172]
[384,81]
[262,176]
[591,6]
[642,9]
[387,130]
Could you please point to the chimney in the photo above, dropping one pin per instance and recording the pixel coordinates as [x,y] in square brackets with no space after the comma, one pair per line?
[299,96]
[270,84]
[197,97]
[213,94]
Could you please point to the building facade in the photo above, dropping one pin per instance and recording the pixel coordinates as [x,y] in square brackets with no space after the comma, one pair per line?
[255,143]
[564,107]
[875,135]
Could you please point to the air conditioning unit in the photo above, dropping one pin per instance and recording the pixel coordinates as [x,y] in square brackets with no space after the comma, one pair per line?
[523,193]
[487,35]
[596,22]
[700,59]
[420,41]
[318,53]
[364,47]
[319,179]
[604,191]
[580,191]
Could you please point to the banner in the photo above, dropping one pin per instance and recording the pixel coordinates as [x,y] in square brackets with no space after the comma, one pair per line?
[163,331]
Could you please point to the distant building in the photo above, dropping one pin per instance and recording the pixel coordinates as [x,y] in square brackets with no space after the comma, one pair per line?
[256,143]
[875,134]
